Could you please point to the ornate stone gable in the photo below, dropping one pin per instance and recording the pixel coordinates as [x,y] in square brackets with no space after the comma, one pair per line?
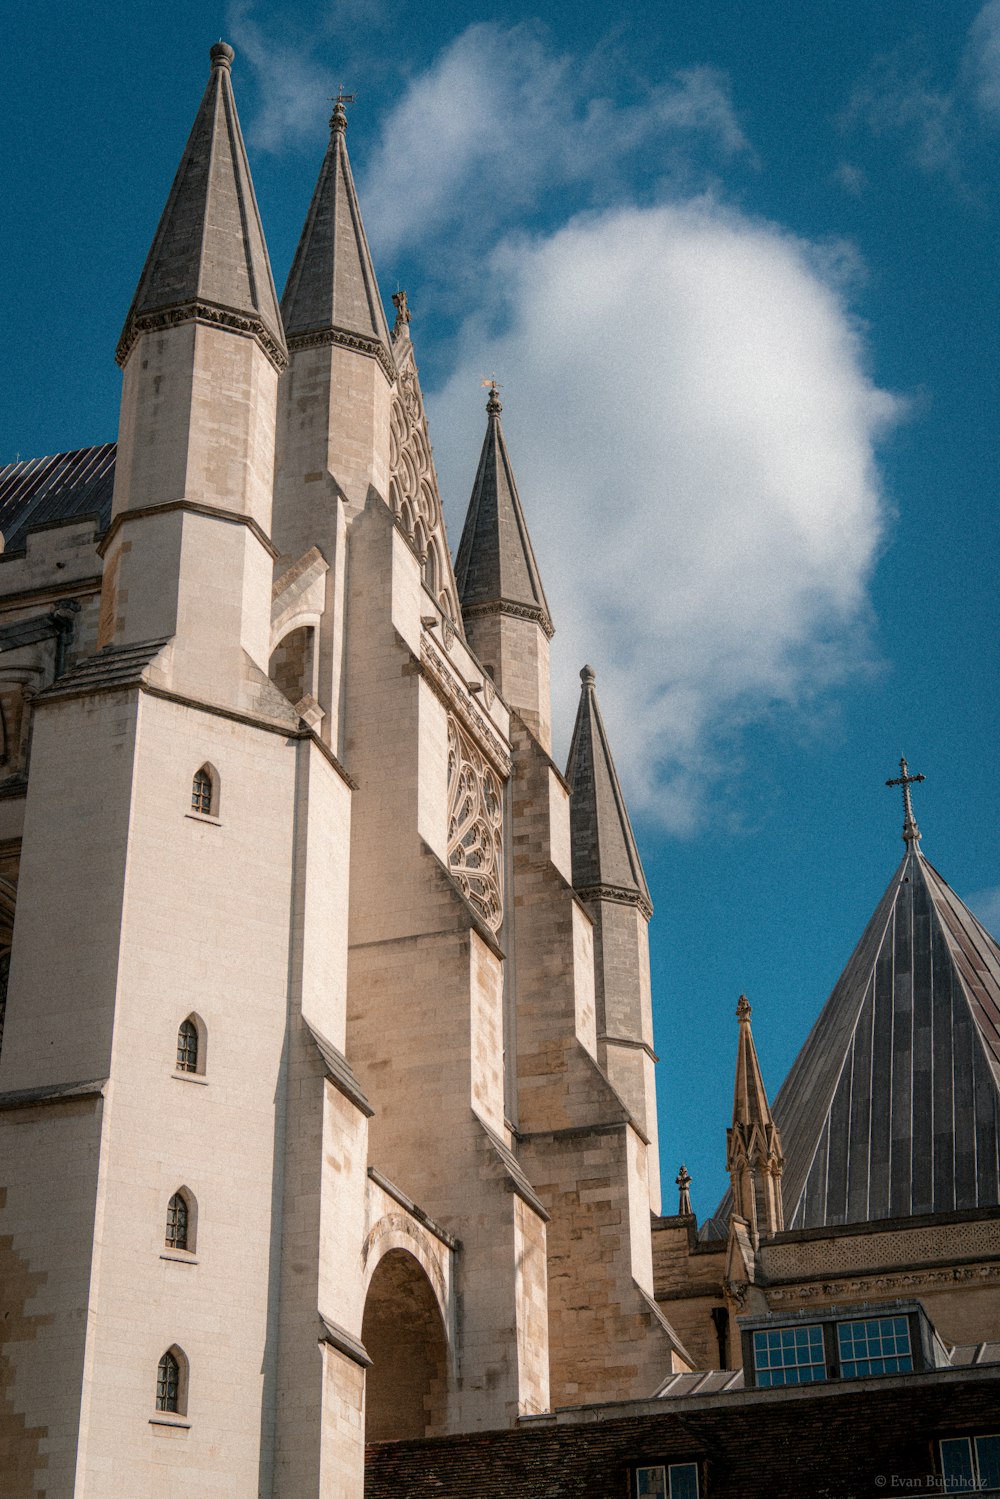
[475,826]
[413,487]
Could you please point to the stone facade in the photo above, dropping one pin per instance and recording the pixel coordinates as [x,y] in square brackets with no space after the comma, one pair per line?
[286,883]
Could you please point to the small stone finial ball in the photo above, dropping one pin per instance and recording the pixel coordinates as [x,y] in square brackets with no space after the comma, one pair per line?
[588,676]
[222,55]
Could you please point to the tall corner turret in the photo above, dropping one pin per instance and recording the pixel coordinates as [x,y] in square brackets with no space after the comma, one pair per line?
[754,1157]
[201,352]
[506,613]
[334,412]
[609,880]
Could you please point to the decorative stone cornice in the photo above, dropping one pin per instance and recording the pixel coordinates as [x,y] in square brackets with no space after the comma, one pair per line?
[532,612]
[446,689]
[201,312]
[358,343]
[908,1282]
[621,894]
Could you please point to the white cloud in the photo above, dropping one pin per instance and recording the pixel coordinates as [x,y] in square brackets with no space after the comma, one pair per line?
[693,431]
[898,99]
[982,58]
[498,123]
[293,88]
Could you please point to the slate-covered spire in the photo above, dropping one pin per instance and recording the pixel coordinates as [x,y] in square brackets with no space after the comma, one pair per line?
[892,1107]
[332,295]
[496,569]
[605,857]
[753,1146]
[208,259]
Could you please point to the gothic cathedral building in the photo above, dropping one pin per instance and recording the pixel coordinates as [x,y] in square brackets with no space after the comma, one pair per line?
[326,1053]
[327,1058]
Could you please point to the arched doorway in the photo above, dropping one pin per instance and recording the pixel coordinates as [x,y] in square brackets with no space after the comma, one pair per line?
[407,1386]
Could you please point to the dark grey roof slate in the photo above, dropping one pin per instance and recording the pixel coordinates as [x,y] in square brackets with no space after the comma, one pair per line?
[892,1107]
[496,562]
[604,848]
[332,282]
[209,247]
[36,491]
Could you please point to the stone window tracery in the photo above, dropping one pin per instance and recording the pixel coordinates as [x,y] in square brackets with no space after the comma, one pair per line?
[413,491]
[177,1222]
[475,826]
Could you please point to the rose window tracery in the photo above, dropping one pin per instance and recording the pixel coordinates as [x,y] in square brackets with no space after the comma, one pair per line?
[475,826]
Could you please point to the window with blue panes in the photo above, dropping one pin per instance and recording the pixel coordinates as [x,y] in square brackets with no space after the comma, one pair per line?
[971,1465]
[789,1355]
[879,1345]
[667,1481]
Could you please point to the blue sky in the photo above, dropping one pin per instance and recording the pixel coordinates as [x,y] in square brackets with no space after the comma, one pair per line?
[735,268]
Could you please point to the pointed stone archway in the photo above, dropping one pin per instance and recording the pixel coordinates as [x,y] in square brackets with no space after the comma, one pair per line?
[406,1389]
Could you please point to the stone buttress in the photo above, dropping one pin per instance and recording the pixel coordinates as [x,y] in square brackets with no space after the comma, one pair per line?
[584,1150]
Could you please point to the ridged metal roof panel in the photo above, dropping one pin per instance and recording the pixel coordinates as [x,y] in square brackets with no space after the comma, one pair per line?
[37,491]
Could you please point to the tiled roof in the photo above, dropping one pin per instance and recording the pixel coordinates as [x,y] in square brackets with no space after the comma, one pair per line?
[36,491]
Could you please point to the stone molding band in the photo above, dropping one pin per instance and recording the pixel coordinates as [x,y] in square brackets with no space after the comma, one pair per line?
[621,894]
[319,338]
[201,312]
[194,507]
[533,612]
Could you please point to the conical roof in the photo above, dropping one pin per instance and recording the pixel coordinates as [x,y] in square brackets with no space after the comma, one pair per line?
[892,1107]
[332,294]
[605,856]
[208,257]
[496,565]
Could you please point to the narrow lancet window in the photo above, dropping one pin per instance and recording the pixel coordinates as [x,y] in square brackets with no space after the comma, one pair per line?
[168,1383]
[177,1222]
[201,792]
[187,1047]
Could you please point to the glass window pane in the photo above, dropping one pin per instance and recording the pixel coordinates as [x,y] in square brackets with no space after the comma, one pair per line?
[956,1464]
[684,1481]
[879,1345]
[651,1483]
[789,1355]
[988,1461]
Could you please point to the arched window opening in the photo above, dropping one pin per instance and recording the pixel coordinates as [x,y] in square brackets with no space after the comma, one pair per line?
[190,1047]
[406,1389]
[180,1222]
[170,1382]
[204,793]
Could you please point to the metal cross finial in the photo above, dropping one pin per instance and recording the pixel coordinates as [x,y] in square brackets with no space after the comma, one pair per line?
[911,833]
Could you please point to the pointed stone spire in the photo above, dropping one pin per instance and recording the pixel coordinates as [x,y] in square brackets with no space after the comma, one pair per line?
[332,295]
[608,878]
[208,261]
[496,569]
[753,1146]
[605,856]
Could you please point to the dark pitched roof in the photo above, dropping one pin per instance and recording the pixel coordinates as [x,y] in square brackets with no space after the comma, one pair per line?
[37,491]
[604,848]
[331,286]
[208,252]
[496,562]
[892,1107]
